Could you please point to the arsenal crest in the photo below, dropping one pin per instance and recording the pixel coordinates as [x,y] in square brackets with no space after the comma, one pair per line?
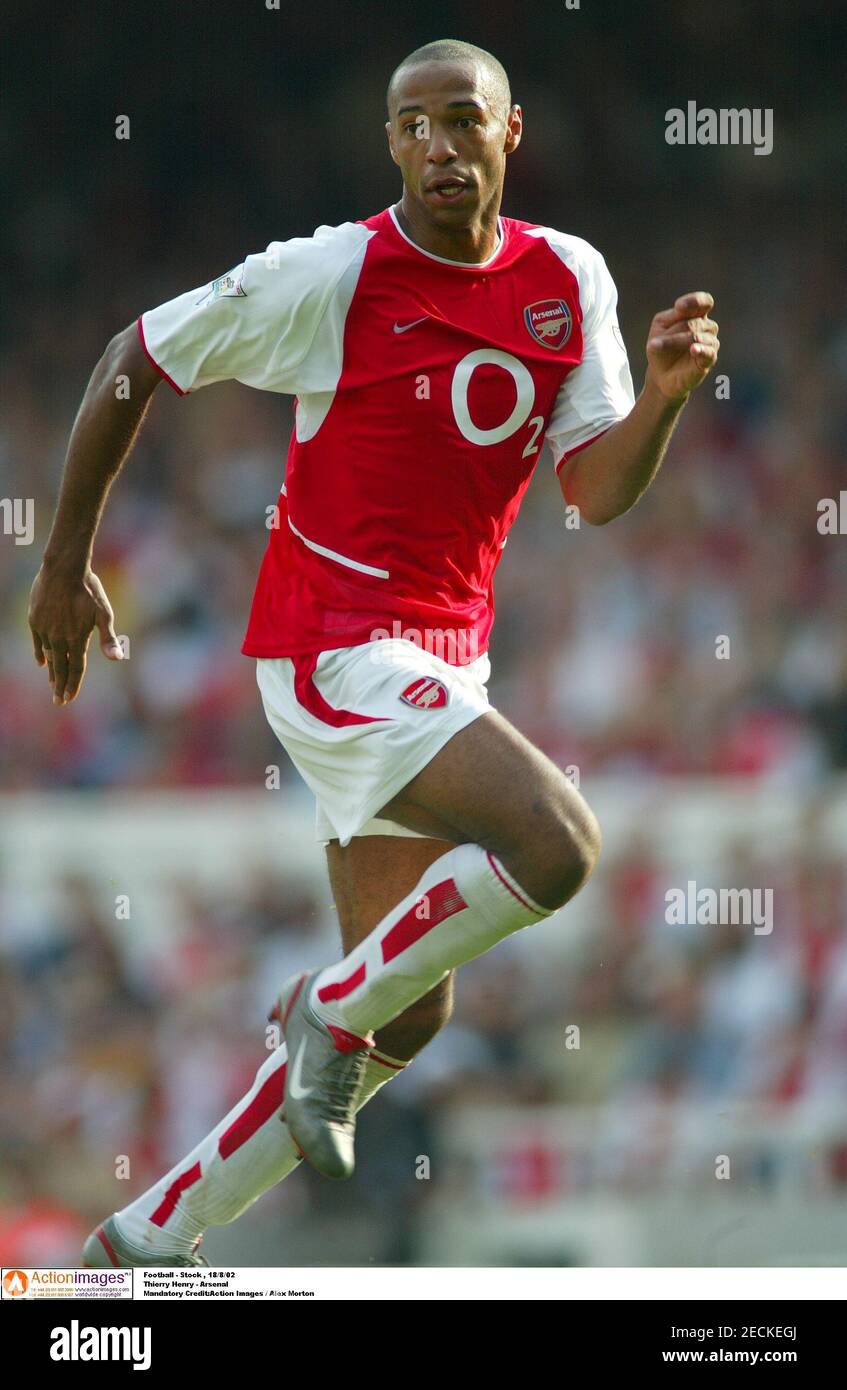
[549,321]
[425,693]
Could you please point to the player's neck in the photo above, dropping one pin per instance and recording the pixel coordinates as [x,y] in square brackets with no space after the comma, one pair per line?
[471,245]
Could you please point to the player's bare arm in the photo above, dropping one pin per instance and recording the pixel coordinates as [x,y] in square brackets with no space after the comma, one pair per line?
[607,478]
[67,600]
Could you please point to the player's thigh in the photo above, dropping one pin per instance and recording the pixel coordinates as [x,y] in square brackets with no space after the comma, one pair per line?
[490,786]
[372,874]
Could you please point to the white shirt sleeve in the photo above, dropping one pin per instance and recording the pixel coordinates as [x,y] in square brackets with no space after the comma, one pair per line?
[257,323]
[598,392]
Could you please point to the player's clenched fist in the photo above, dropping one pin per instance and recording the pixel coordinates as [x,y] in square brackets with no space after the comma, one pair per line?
[682,345]
[63,612]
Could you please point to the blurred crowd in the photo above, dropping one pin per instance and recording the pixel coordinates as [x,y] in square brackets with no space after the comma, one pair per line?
[702,634]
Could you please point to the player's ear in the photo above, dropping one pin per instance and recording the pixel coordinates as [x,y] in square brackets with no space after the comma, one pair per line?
[390,135]
[514,129]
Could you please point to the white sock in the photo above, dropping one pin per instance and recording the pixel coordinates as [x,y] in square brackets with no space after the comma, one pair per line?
[249,1151]
[463,904]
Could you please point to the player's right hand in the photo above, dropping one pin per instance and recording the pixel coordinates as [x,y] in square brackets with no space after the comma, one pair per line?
[63,611]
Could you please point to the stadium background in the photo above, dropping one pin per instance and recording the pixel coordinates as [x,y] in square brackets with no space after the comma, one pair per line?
[134,1035]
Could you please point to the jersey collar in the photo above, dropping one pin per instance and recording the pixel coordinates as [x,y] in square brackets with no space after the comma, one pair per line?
[462,265]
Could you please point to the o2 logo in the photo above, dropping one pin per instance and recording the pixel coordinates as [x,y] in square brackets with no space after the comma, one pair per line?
[524,385]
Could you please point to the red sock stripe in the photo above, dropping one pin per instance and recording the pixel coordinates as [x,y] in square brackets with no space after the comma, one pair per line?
[345,1041]
[506,884]
[267,1099]
[384,1062]
[107,1246]
[344,987]
[290,1005]
[441,901]
[173,1194]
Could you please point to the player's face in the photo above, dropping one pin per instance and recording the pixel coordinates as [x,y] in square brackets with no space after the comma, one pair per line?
[451,142]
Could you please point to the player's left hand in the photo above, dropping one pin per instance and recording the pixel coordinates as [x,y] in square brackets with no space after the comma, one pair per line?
[682,345]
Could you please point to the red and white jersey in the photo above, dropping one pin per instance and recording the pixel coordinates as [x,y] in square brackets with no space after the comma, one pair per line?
[425,389]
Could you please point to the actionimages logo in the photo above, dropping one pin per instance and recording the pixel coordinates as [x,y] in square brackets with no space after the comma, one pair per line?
[67,1283]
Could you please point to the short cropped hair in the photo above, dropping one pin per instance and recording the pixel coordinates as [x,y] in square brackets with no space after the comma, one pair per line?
[495,81]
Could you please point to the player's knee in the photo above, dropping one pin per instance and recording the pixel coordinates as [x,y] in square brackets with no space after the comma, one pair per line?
[573,850]
[585,842]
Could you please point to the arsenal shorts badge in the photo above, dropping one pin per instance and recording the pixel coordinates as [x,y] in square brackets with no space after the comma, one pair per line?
[549,321]
[425,693]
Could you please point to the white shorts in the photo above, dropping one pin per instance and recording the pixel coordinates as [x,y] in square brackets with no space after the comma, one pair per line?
[360,722]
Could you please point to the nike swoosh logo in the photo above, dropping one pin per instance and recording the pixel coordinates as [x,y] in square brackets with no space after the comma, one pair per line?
[296,1091]
[406,326]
